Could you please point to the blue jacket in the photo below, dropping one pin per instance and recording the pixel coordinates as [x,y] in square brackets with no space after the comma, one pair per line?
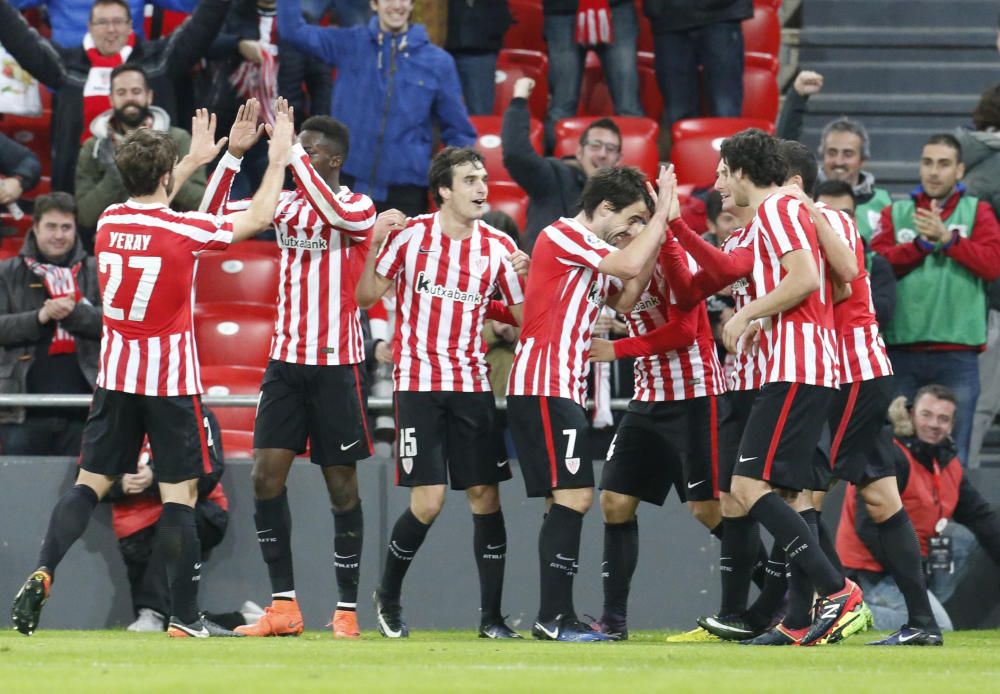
[69,19]
[389,91]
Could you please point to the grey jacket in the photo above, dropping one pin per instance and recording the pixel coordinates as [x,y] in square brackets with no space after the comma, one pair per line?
[21,296]
[981,156]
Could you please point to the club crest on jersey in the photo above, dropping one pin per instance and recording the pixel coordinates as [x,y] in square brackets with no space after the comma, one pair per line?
[316,244]
[407,464]
[741,285]
[594,294]
[480,264]
[573,465]
[425,286]
[647,302]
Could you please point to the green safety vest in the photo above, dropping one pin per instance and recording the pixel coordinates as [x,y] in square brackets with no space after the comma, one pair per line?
[938,301]
[866,216]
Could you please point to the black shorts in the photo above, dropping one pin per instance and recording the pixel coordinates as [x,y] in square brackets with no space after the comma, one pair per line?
[552,438]
[780,438]
[660,445]
[323,406]
[861,445]
[442,436]
[119,422]
[736,406]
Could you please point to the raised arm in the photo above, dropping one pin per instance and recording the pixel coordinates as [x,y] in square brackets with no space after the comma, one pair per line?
[319,42]
[526,166]
[33,53]
[372,284]
[189,42]
[353,217]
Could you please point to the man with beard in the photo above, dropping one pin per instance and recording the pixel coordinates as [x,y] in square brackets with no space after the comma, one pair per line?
[98,181]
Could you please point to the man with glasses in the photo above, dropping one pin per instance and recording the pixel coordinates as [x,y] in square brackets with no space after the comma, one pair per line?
[553,184]
[81,75]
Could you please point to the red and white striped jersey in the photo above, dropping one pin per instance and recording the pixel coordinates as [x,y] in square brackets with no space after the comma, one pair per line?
[691,372]
[147,257]
[745,369]
[443,288]
[563,299]
[323,236]
[863,355]
[800,344]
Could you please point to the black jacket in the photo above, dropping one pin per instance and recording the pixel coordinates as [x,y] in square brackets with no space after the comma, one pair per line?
[477,26]
[21,296]
[553,185]
[65,70]
[570,6]
[18,160]
[684,15]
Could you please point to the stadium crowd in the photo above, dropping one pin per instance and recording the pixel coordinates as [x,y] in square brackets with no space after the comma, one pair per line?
[536,129]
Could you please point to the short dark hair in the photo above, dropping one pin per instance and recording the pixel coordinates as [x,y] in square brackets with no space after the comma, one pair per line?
[938,391]
[620,186]
[442,172]
[501,221]
[144,158]
[987,113]
[129,67]
[833,189]
[846,125]
[604,124]
[120,3]
[947,140]
[332,129]
[800,161]
[756,154]
[53,202]
[713,205]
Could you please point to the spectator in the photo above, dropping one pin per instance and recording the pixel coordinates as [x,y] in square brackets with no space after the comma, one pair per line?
[721,223]
[840,196]
[981,155]
[612,32]
[935,493]
[50,331]
[98,181]
[688,35]
[349,12]
[553,185]
[80,74]
[475,36]
[392,87]
[944,246]
[69,18]
[19,170]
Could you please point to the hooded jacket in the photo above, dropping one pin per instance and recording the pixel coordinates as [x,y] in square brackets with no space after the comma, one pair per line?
[21,296]
[64,69]
[99,183]
[389,92]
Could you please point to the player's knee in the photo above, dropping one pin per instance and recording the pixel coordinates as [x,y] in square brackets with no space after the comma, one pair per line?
[730,507]
[426,503]
[617,508]
[267,483]
[707,513]
[580,500]
[484,498]
[748,491]
[343,489]
[880,502]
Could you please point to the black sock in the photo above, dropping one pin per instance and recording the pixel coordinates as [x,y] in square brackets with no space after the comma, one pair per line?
[772,594]
[177,535]
[558,555]
[788,528]
[901,550]
[621,554]
[759,572]
[489,541]
[348,536]
[407,536]
[827,545]
[274,535]
[69,519]
[740,542]
[800,588]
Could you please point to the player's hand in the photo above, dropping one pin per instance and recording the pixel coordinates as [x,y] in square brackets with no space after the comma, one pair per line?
[282,133]
[751,339]
[138,482]
[10,190]
[520,261]
[929,224]
[507,333]
[602,350]
[245,131]
[523,87]
[732,332]
[808,83]
[204,148]
[665,192]
[250,51]
[383,352]
[387,221]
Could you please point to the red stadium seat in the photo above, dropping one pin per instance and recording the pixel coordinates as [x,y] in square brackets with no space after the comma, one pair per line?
[526,31]
[760,86]
[489,145]
[696,142]
[511,66]
[639,140]
[20,227]
[508,197]
[762,32]
[233,380]
[44,186]
[238,274]
[33,133]
[236,443]
[232,334]
[595,97]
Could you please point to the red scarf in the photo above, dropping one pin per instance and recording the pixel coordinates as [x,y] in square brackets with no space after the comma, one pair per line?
[59,282]
[97,90]
[593,23]
[261,81]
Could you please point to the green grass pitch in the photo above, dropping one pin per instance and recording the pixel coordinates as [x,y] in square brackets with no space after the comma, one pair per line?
[117,661]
